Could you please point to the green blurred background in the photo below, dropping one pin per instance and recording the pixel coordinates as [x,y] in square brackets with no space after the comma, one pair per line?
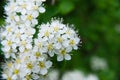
[98,24]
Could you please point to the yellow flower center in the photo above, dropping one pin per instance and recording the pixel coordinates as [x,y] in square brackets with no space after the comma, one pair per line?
[29,17]
[63,52]
[9,29]
[9,78]
[16,71]
[59,39]
[29,66]
[28,77]
[37,54]
[56,29]
[41,64]
[24,6]
[12,17]
[9,64]
[18,34]
[47,33]
[72,42]
[18,23]
[26,58]
[39,45]
[35,7]
[50,46]
[9,43]
[26,50]
[68,32]
[12,7]
[18,61]
[23,43]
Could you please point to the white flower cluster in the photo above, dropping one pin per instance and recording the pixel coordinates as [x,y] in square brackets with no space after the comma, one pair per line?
[28,66]
[57,38]
[30,57]
[24,12]
[21,17]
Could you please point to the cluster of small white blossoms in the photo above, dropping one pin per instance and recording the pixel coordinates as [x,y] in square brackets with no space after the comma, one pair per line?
[30,57]
[56,38]
[27,66]
[21,18]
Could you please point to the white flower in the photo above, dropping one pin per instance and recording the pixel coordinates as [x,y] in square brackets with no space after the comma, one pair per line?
[50,48]
[24,6]
[92,77]
[57,26]
[53,75]
[42,67]
[72,43]
[8,48]
[59,41]
[78,75]
[11,7]
[35,76]
[39,45]
[8,31]
[63,54]
[30,19]
[9,76]
[117,28]
[98,63]
[73,75]
[11,71]
[38,56]
[45,32]
[38,7]
[27,67]
[25,44]
[14,19]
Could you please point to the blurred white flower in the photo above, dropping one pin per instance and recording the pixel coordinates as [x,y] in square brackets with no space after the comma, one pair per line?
[53,75]
[13,17]
[92,77]
[78,75]
[12,70]
[11,7]
[9,76]
[98,63]
[73,75]
[117,28]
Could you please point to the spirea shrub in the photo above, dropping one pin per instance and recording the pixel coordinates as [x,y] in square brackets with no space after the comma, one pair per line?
[28,57]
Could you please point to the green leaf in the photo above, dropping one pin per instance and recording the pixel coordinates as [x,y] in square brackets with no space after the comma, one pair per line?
[1,21]
[66,7]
